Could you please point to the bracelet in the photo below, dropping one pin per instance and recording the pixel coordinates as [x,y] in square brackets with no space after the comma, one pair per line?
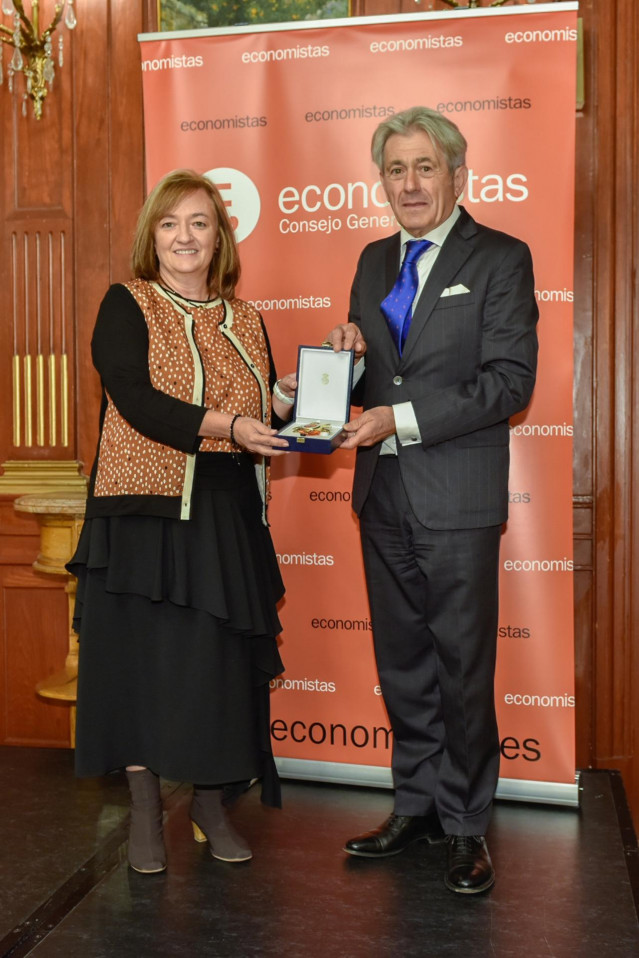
[277,392]
[231,436]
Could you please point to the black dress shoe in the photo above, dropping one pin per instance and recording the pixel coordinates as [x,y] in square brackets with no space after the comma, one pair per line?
[396,834]
[470,869]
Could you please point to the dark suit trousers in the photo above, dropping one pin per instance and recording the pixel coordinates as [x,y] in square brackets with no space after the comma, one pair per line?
[433,599]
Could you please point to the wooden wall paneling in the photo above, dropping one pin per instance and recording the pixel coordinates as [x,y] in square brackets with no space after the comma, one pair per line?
[109,184]
[37,340]
[36,387]
[41,340]
[34,610]
[616,232]
[380,8]
[72,186]
[34,617]
[92,206]
[602,64]
[150,16]
[583,447]
[127,134]
[584,731]
[20,537]
[632,273]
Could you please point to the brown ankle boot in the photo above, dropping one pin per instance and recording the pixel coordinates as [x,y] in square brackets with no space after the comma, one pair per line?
[147,853]
[210,823]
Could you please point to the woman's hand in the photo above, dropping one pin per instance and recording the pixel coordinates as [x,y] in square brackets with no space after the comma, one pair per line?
[288,385]
[255,436]
[284,395]
[249,434]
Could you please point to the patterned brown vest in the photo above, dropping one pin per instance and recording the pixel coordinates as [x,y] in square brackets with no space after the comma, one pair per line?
[212,355]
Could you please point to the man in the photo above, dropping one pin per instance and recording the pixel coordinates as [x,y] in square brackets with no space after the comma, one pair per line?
[446,353]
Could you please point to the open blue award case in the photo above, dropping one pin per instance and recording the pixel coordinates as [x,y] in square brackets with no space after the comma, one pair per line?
[322,400]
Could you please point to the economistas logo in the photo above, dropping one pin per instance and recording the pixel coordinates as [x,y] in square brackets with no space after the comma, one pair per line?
[241,198]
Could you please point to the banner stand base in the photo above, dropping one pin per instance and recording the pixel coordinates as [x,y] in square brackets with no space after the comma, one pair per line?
[515,790]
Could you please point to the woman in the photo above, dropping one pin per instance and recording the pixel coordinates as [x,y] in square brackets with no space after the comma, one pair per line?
[177,577]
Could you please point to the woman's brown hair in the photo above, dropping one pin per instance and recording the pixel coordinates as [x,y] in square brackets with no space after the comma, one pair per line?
[224,269]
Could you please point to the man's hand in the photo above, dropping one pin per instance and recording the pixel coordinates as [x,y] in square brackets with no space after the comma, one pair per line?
[347,336]
[371,427]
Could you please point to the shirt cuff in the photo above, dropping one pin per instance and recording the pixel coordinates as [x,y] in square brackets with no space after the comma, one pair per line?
[358,371]
[406,427]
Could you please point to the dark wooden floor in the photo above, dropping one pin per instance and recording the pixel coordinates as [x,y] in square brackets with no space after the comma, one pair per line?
[567,880]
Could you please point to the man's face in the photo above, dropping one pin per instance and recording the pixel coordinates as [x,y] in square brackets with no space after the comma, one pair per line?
[419,186]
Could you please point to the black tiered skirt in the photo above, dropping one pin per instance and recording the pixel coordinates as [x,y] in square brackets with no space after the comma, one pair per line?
[177,624]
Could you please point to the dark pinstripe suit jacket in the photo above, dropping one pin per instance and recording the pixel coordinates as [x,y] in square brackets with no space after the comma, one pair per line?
[468,365]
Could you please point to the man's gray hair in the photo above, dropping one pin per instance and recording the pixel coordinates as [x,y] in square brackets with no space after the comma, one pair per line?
[442,131]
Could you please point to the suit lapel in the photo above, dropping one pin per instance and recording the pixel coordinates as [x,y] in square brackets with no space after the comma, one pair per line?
[456,249]
[391,264]
[386,270]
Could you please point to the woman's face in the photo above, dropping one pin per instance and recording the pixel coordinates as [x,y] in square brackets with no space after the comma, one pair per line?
[185,240]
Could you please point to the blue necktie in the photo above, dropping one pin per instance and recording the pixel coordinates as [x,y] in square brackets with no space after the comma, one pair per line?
[398,305]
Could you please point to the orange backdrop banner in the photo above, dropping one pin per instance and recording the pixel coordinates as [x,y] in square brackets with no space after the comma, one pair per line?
[281,120]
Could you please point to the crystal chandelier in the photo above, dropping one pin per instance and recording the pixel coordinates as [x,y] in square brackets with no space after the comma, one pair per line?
[33,51]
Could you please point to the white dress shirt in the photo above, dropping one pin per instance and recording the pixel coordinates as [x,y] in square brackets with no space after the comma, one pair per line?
[407,428]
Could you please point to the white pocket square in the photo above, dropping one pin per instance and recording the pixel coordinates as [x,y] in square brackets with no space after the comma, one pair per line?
[455,290]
